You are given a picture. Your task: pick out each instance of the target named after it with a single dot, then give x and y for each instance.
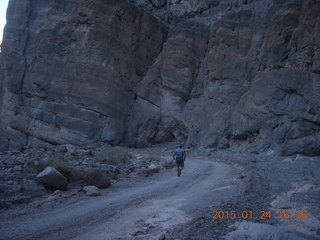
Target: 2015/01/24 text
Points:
(286, 214)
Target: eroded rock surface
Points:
(210, 73)
(69, 69)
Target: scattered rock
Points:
(208, 150)
(158, 3)
(113, 175)
(63, 148)
(17, 168)
(280, 203)
(153, 168)
(97, 177)
(146, 172)
(71, 148)
(142, 172)
(232, 228)
(162, 236)
(20, 160)
(57, 192)
(53, 178)
(52, 197)
(141, 231)
(91, 191)
(168, 163)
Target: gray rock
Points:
(53, 178)
(96, 177)
(57, 192)
(94, 107)
(91, 191)
(309, 146)
(17, 168)
(209, 73)
(168, 163)
(162, 236)
(153, 169)
(71, 148)
(63, 148)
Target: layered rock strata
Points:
(209, 73)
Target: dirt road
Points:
(134, 208)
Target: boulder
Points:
(91, 191)
(149, 171)
(96, 177)
(153, 169)
(143, 172)
(53, 178)
(162, 236)
(167, 163)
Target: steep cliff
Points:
(210, 73)
(69, 69)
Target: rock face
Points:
(53, 178)
(210, 73)
(69, 69)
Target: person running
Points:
(180, 156)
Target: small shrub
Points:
(112, 155)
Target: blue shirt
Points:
(179, 154)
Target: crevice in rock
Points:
(147, 101)
(290, 91)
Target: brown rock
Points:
(96, 177)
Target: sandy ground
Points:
(134, 208)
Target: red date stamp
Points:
(262, 214)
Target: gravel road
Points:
(133, 208)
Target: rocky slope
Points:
(210, 73)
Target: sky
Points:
(3, 10)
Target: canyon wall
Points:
(208, 73)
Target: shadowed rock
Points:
(53, 178)
(96, 177)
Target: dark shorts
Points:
(180, 163)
